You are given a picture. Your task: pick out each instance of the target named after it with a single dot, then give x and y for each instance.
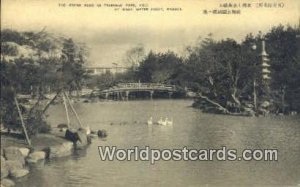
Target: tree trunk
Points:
(283, 99)
(215, 104)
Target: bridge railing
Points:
(139, 86)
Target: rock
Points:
(86, 130)
(25, 151)
(13, 165)
(83, 130)
(13, 153)
(62, 150)
(2, 159)
(63, 130)
(82, 136)
(62, 125)
(102, 133)
(82, 139)
(92, 136)
(7, 183)
(36, 156)
(17, 173)
(79, 145)
(4, 169)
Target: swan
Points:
(162, 122)
(150, 122)
(169, 122)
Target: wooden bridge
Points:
(122, 90)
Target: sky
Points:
(109, 33)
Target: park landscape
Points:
(256, 78)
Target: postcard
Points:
(150, 93)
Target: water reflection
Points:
(191, 128)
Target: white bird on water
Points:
(169, 122)
(150, 122)
(161, 122)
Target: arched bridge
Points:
(122, 90)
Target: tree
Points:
(47, 62)
(105, 80)
(135, 55)
(284, 51)
(159, 68)
(72, 72)
(220, 71)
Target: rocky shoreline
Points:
(246, 109)
(16, 159)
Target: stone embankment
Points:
(15, 160)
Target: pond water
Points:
(126, 125)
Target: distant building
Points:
(103, 70)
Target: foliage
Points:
(284, 49)
(72, 70)
(37, 124)
(105, 81)
(225, 70)
(36, 63)
(159, 68)
(135, 56)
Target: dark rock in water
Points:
(62, 125)
(13, 153)
(102, 133)
(71, 135)
(4, 169)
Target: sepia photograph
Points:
(150, 93)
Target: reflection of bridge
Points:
(123, 90)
